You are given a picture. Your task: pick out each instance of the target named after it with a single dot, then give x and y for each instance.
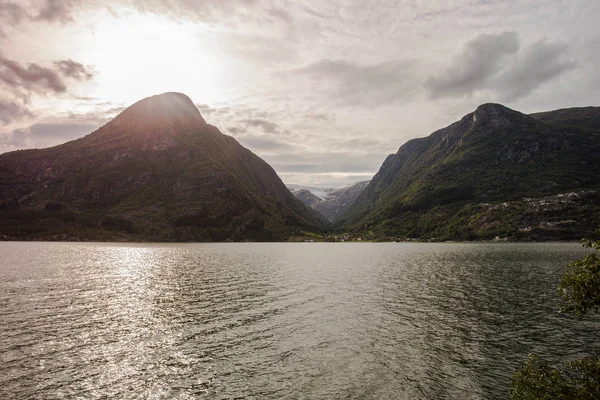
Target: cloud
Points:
(243, 120)
(265, 145)
(52, 130)
(207, 10)
(11, 111)
(73, 69)
(39, 79)
(235, 130)
(258, 134)
(537, 64)
(357, 84)
(56, 11)
(17, 139)
(44, 135)
(324, 162)
(22, 81)
(210, 11)
(33, 77)
(481, 58)
(267, 126)
(355, 75)
(498, 63)
(319, 117)
(304, 144)
(11, 13)
(324, 179)
(51, 133)
(205, 109)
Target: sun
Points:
(143, 55)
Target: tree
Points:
(579, 290)
(580, 284)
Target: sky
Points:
(321, 90)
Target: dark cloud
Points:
(11, 111)
(497, 63)
(236, 130)
(356, 84)
(33, 77)
(267, 126)
(481, 58)
(73, 69)
(23, 81)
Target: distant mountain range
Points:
(332, 203)
(496, 172)
(159, 172)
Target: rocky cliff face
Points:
(158, 171)
(490, 156)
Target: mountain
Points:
(334, 203)
(496, 172)
(308, 198)
(157, 171)
(338, 201)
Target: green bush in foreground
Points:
(580, 285)
(579, 290)
(536, 379)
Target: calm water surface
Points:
(306, 320)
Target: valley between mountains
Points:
(160, 172)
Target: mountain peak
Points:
(493, 112)
(160, 112)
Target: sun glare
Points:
(145, 55)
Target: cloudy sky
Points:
(322, 90)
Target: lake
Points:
(280, 320)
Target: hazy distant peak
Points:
(161, 111)
(333, 203)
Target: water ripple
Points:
(347, 321)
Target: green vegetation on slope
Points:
(159, 176)
(448, 184)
